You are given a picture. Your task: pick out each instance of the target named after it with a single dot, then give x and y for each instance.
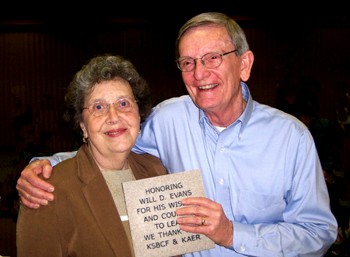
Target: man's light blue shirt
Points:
(263, 169)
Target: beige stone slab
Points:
(151, 205)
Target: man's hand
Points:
(204, 216)
(34, 191)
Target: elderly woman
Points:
(89, 218)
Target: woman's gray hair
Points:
(235, 32)
(106, 68)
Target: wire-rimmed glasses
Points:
(209, 60)
(101, 108)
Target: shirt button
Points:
(221, 181)
(222, 149)
(242, 248)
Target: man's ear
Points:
(247, 60)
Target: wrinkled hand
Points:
(204, 216)
(34, 191)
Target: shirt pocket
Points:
(253, 207)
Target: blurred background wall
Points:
(41, 47)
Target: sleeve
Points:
(37, 232)
(146, 142)
(307, 227)
(57, 157)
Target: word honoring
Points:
(163, 188)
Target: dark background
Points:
(42, 45)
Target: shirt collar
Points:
(245, 116)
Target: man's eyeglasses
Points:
(101, 108)
(209, 60)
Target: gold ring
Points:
(203, 222)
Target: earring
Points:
(85, 139)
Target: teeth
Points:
(208, 86)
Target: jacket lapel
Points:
(101, 204)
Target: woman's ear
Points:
(247, 60)
(82, 126)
